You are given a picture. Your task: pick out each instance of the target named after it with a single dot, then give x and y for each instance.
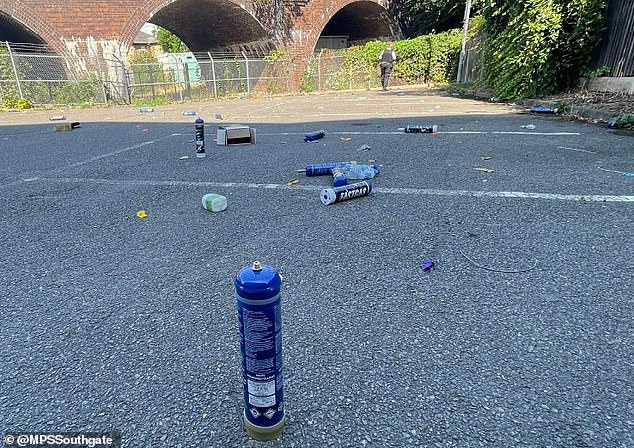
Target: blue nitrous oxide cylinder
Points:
(200, 137)
(312, 136)
(260, 314)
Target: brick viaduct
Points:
(108, 27)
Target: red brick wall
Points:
(56, 21)
(308, 27)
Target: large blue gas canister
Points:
(260, 315)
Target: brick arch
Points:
(329, 8)
(150, 8)
(311, 23)
(33, 23)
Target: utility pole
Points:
(465, 34)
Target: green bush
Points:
(17, 103)
(625, 120)
(81, 92)
(432, 58)
(537, 47)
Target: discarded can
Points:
(339, 194)
(220, 117)
(146, 109)
(312, 136)
(338, 178)
(57, 118)
(190, 113)
(323, 169)
(260, 315)
(200, 137)
(420, 129)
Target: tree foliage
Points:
(539, 46)
(170, 42)
(429, 16)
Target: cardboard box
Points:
(235, 134)
(67, 126)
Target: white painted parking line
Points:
(556, 134)
(396, 191)
(577, 150)
(11, 184)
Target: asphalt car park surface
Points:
(521, 335)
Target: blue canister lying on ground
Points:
(543, 110)
(338, 194)
(323, 169)
(312, 136)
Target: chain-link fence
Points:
(329, 70)
(206, 76)
(34, 74)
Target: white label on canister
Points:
(262, 402)
(261, 388)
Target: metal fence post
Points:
(126, 83)
(213, 75)
(15, 71)
(188, 84)
(247, 70)
(319, 69)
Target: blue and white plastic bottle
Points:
(323, 169)
(360, 171)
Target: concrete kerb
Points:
(583, 113)
(576, 112)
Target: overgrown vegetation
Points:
(625, 120)
(8, 89)
(428, 59)
(431, 16)
(17, 103)
(535, 47)
(87, 91)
